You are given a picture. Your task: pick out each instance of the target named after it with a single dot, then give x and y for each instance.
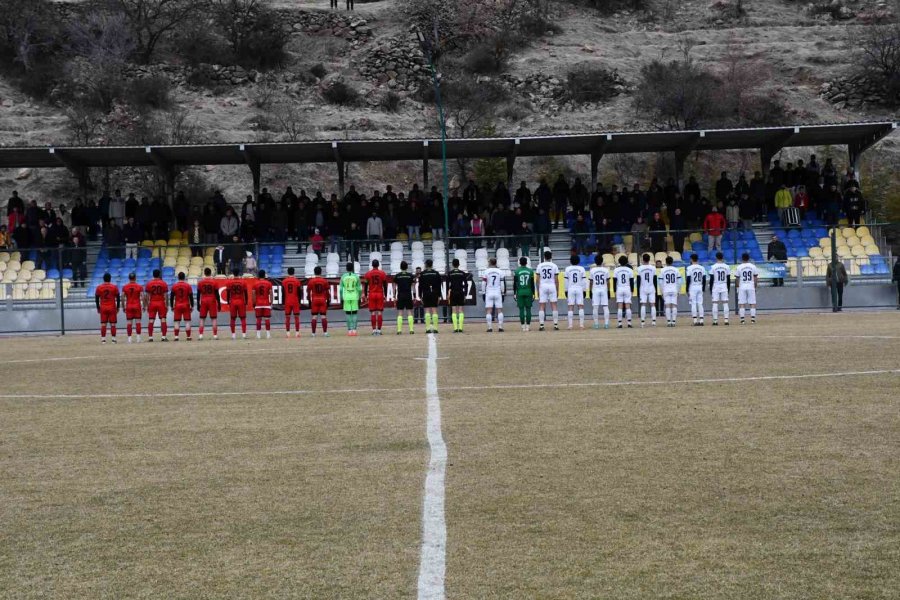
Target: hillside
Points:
(778, 49)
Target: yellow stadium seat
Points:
(426, 236)
(825, 242)
(858, 250)
(184, 251)
(862, 231)
(676, 256)
(35, 285)
(15, 256)
(4, 293)
(38, 275)
(4, 257)
(842, 243)
(872, 249)
(867, 240)
(161, 243)
(181, 270)
(852, 241)
(209, 251)
(174, 235)
(196, 261)
(843, 252)
(696, 237)
(28, 265)
(157, 253)
(607, 257)
(147, 243)
(48, 293)
(628, 242)
(8, 277)
(848, 232)
(194, 271)
(208, 261)
(3, 267)
(23, 276)
(854, 268)
(843, 221)
(633, 258)
(660, 256)
(18, 292)
(13, 265)
(169, 262)
(32, 293)
(183, 261)
(170, 251)
(815, 252)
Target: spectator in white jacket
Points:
(733, 214)
(375, 230)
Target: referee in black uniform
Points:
(430, 293)
(456, 283)
(403, 281)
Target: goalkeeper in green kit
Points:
(523, 284)
(349, 290)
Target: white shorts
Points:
(747, 296)
(547, 293)
(600, 298)
(493, 300)
(623, 296)
(648, 296)
(670, 297)
(720, 296)
(575, 296)
(696, 296)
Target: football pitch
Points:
(742, 462)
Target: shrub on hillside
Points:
(150, 92)
(341, 94)
(390, 102)
(255, 33)
(318, 70)
(592, 83)
(676, 95)
(484, 59)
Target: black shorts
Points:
(457, 298)
(404, 303)
(430, 300)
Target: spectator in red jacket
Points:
(714, 225)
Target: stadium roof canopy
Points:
(768, 140)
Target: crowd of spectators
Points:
(526, 215)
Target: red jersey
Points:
(317, 288)
(132, 293)
(291, 287)
(237, 291)
(376, 280)
(157, 289)
(208, 290)
(262, 292)
(107, 296)
(182, 294)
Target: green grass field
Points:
(740, 462)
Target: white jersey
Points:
(719, 273)
(547, 272)
(623, 277)
(746, 273)
(575, 277)
(599, 281)
(646, 273)
(493, 280)
(695, 275)
(669, 277)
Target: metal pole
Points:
(834, 294)
(62, 305)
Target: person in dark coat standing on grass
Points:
(840, 278)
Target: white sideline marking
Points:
(454, 388)
(838, 337)
(432, 563)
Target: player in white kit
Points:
(600, 292)
(494, 281)
(623, 283)
(669, 277)
(748, 281)
(576, 280)
(646, 286)
(547, 272)
(720, 284)
(696, 276)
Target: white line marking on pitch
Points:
(450, 389)
(839, 337)
(432, 563)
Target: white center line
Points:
(432, 563)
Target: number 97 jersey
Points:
(547, 274)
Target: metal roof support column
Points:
(681, 155)
(425, 167)
(167, 172)
(768, 151)
(255, 169)
(856, 149)
(76, 168)
(596, 155)
(511, 163)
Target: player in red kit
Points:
(208, 302)
(108, 303)
(375, 287)
(262, 302)
(317, 288)
(157, 294)
(134, 299)
(290, 287)
(236, 294)
(182, 297)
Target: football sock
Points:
(410, 320)
(653, 312)
(752, 316)
(569, 317)
(150, 329)
(427, 321)
(324, 324)
(374, 320)
(399, 324)
(112, 329)
(741, 312)
(380, 320)
(103, 330)
(488, 317)
(581, 317)
(215, 328)
(674, 313)
(243, 325)
(165, 327)
(619, 315)
(725, 310)
(268, 327)
(137, 328)
(715, 311)
(201, 326)
(313, 323)
(177, 330)
(258, 324)
(596, 315)
(555, 316)
(541, 316)
(606, 315)
(628, 315)
(499, 320)
(643, 312)
(461, 318)
(187, 331)
(528, 315)
(128, 328)
(233, 321)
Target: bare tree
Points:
(881, 50)
(151, 21)
(291, 121)
(27, 29)
(83, 125)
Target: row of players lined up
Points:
(155, 298)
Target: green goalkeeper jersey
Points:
(350, 286)
(523, 281)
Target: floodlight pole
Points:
(426, 46)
